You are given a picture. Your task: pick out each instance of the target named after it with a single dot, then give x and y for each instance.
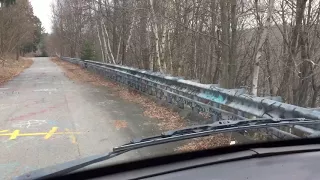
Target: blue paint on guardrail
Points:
(216, 98)
(205, 98)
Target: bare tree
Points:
(264, 33)
(20, 30)
(269, 47)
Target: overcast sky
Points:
(42, 10)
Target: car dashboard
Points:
(231, 163)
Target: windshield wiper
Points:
(170, 136)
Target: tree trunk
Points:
(132, 25)
(115, 38)
(108, 43)
(305, 71)
(155, 32)
(268, 60)
(233, 48)
(118, 51)
(143, 15)
(163, 47)
(106, 52)
(285, 89)
(225, 47)
(262, 40)
(101, 44)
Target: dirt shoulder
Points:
(167, 118)
(11, 68)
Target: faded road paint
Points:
(16, 133)
(28, 115)
(32, 124)
(51, 132)
(72, 136)
(85, 126)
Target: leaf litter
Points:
(119, 124)
(11, 68)
(168, 119)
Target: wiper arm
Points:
(223, 126)
(170, 136)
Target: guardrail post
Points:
(180, 103)
(216, 116)
(157, 91)
(168, 95)
(150, 87)
(240, 113)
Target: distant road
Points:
(46, 118)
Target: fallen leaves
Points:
(167, 119)
(78, 74)
(12, 68)
(205, 143)
(119, 124)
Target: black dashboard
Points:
(276, 160)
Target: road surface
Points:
(46, 118)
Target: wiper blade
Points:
(67, 167)
(223, 126)
(170, 136)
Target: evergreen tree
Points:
(87, 52)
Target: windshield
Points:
(79, 77)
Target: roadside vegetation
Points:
(21, 34)
(11, 68)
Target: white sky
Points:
(42, 9)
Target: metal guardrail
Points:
(206, 98)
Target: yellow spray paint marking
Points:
(51, 132)
(72, 137)
(14, 134)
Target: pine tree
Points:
(87, 52)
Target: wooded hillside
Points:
(270, 47)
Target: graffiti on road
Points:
(43, 111)
(46, 135)
(32, 123)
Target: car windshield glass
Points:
(79, 78)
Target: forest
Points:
(20, 30)
(269, 47)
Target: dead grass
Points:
(168, 120)
(11, 68)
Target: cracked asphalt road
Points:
(46, 118)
